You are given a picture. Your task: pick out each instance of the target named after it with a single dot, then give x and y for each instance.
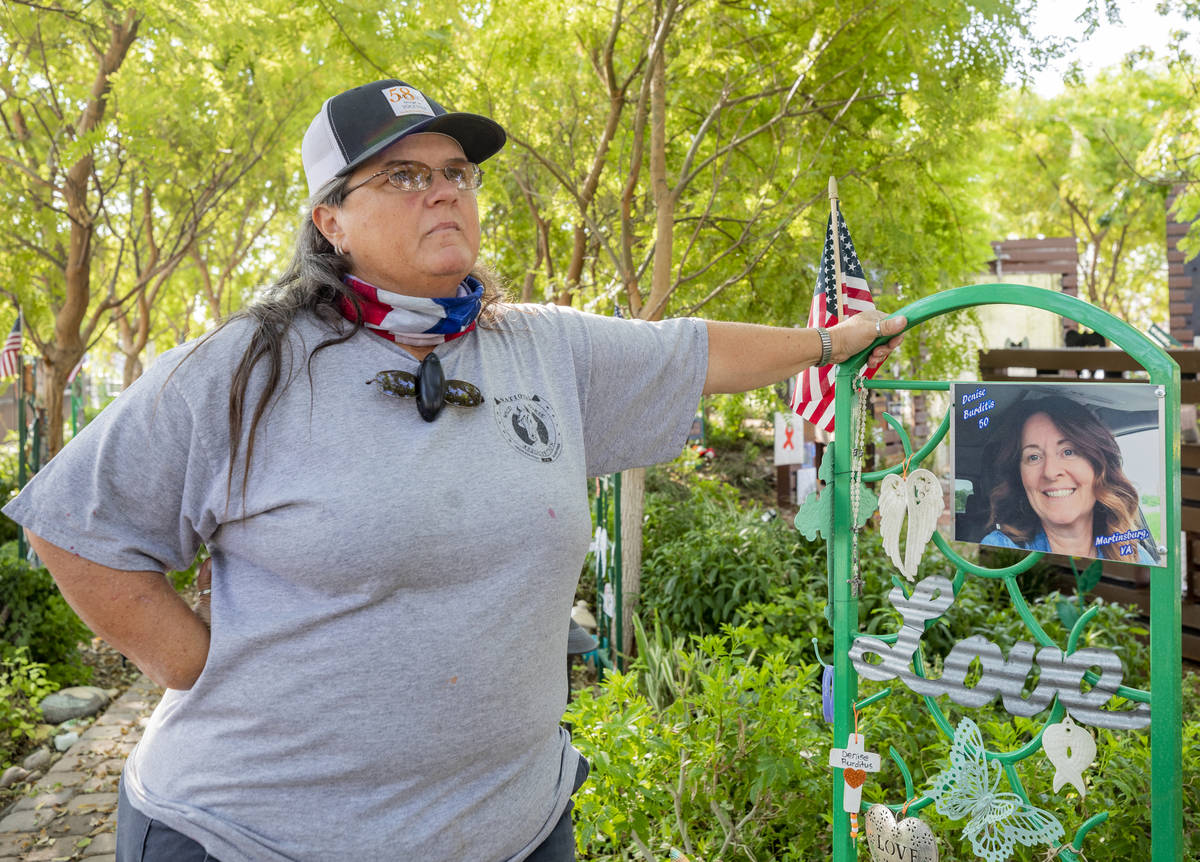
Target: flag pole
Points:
(837, 246)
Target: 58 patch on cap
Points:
(353, 126)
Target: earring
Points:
(337, 249)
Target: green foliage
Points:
(1073, 166)
(23, 684)
(707, 556)
(40, 621)
(726, 414)
(685, 748)
(183, 579)
(759, 105)
(714, 743)
(735, 760)
(8, 486)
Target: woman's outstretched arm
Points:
(744, 356)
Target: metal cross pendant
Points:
(856, 584)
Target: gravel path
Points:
(71, 812)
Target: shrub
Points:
(40, 620)
(8, 485)
(724, 418)
(183, 579)
(23, 684)
(719, 750)
(707, 556)
(735, 760)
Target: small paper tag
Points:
(854, 760)
(406, 100)
(608, 601)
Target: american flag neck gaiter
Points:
(419, 321)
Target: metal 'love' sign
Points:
(1062, 674)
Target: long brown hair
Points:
(311, 284)
(1116, 509)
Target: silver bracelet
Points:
(826, 346)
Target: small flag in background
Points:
(75, 371)
(10, 356)
(813, 396)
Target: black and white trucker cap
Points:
(355, 125)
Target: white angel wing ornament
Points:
(925, 506)
(893, 506)
(919, 497)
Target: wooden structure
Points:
(1183, 282)
(1056, 255)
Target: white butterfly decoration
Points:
(998, 820)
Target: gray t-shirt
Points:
(387, 669)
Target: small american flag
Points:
(10, 356)
(813, 397)
(75, 371)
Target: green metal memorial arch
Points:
(1164, 693)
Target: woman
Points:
(1060, 487)
(335, 711)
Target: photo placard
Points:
(1066, 468)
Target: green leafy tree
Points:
(141, 139)
(120, 146)
(674, 156)
(1171, 158)
(1096, 163)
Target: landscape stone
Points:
(75, 702)
(39, 759)
(62, 779)
(12, 845)
(105, 842)
(72, 761)
(12, 775)
(52, 798)
(104, 731)
(78, 825)
(76, 801)
(87, 803)
(27, 821)
(65, 740)
(59, 848)
(100, 784)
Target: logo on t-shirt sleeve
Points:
(529, 425)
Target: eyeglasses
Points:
(430, 387)
(418, 176)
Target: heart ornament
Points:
(910, 840)
(854, 777)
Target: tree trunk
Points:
(633, 482)
(67, 347)
(132, 341)
(52, 382)
(633, 507)
(132, 370)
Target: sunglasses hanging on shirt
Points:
(430, 387)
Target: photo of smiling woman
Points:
(1060, 486)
